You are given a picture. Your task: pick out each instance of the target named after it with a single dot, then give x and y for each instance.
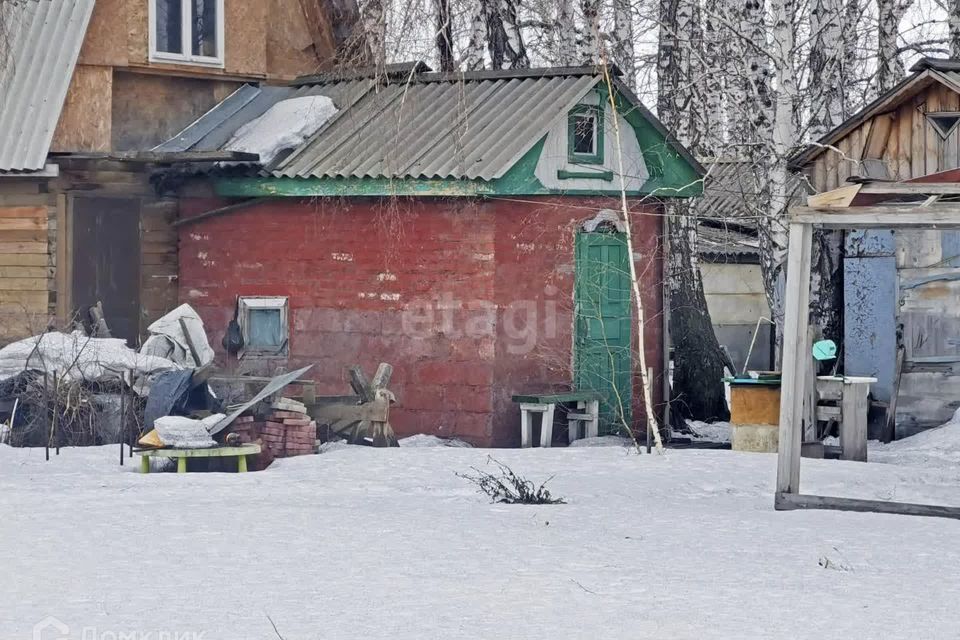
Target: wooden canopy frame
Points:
(833, 210)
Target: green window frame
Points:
(576, 114)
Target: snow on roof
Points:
(285, 125)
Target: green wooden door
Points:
(602, 358)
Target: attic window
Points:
(944, 122)
(187, 31)
(585, 135)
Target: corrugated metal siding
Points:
(43, 41)
(461, 130)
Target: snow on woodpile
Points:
(285, 125)
(938, 447)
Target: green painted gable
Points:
(671, 175)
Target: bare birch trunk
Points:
(444, 35)
(890, 69)
(773, 238)
(953, 23)
(826, 66)
(697, 390)
(623, 37)
(504, 40)
(588, 40)
(566, 35)
(374, 18)
(473, 58)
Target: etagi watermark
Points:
(51, 628)
(521, 323)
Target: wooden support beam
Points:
(791, 501)
(907, 188)
(942, 215)
(796, 320)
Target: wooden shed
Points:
(901, 286)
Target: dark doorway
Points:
(106, 262)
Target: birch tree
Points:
(890, 69)
(698, 391)
(373, 16)
(623, 40)
(589, 36)
(953, 25)
(566, 34)
(444, 35)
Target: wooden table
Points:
(240, 453)
(588, 403)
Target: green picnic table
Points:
(240, 453)
(587, 415)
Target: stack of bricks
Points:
(247, 428)
(288, 430)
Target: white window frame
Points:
(186, 31)
(246, 303)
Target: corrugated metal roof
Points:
(731, 193)
(438, 129)
(43, 39)
(468, 126)
(213, 130)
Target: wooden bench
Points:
(240, 453)
(588, 416)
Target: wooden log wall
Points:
(903, 139)
(27, 263)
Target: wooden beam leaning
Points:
(792, 501)
(796, 320)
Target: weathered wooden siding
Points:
(27, 228)
(36, 244)
(908, 145)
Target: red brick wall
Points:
(429, 285)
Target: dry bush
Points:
(507, 487)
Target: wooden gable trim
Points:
(884, 104)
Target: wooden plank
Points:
(789, 502)
(360, 384)
(24, 284)
(918, 139)
(32, 223)
(853, 428)
(28, 300)
(932, 145)
(908, 188)
(796, 321)
(840, 197)
(24, 259)
(23, 247)
(26, 271)
(940, 214)
(878, 137)
(905, 144)
(24, 236)
(22, 213)
(61, 278)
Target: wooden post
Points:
(796, 320)
(853, 422)
(546, 426)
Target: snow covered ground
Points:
(367, 543)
